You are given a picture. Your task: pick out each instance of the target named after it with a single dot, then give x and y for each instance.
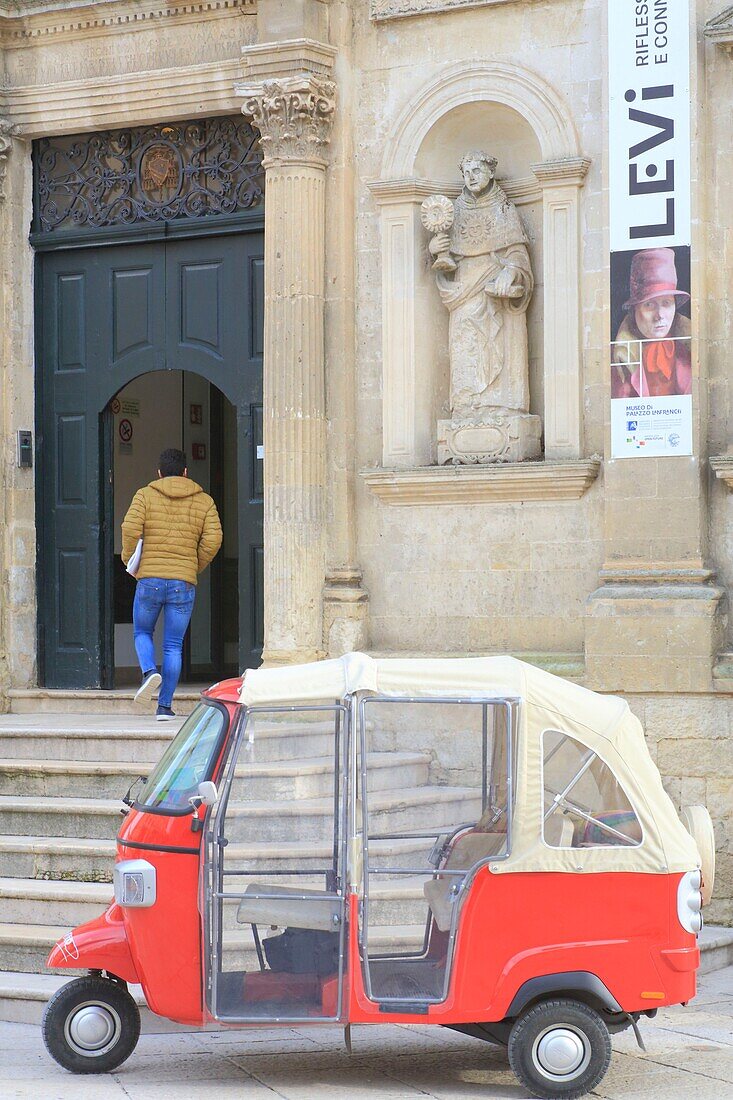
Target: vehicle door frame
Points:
(212, 877)
(511, 706)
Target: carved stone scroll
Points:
(7, 132)
(294, 116)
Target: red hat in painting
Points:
(653, 275)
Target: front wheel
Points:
(91, 1025)
(559, 1048)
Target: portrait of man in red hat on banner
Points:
(650, 356)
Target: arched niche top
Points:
(493, 127)
(481, 82)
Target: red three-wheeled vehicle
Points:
(472, 843)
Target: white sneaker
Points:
(150, 684)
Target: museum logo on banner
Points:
(650, 227)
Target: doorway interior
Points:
(179, 409)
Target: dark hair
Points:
(171, 463)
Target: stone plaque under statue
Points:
(485, 280)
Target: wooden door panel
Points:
(70, 322)
(199, 315)
(133, 305)
(67, 439)
(105, 316)
(215, 299)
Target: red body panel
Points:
(621, 927)
(101, 944)
(165, 939)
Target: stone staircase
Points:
(66, 758)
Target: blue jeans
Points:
(175, 599)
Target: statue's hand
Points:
(504, 284)
(439, 243)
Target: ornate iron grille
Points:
(148, 174)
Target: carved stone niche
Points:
(520, 119)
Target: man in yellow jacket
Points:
(179, 525)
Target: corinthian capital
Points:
(7, 132)
(294, 116)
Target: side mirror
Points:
(208, 793)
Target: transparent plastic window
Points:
(584, 804)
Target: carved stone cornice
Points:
(719, 29)
(294, 116)
(722, 467)
(566, 171)
(510, 481)
(32, 22)
(7, 132)
(77, 106)
(413, 189)
(402, 9)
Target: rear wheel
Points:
(91, 1025)
(559, 1048)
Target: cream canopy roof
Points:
(604, 723)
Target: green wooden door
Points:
(105, 316)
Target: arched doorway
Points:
(182, 410)
(191, 307)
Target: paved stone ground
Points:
(689, 1054)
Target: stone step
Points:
(111, 737)
(99, 818)
(305, 778)
(25, 947)
(23, 998)
(93, 700)
(35, 901)
(389, 811)
(122, 738)
(68, 904)
(72, 859)
(716, 948)
(57, 858)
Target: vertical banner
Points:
(650, 227)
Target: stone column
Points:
(561, 181)
(294, 115)
(17, 493)
(410, 411)
(345, 600)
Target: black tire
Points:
(91, 1025)
(559, 1048)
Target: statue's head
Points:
(477, 169)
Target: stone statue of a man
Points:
(485, 280)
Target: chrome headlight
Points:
(134, 883)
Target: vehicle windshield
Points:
(187, 761)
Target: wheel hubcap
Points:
(92, 1029)
(561, 1053)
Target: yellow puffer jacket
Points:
(179, 525)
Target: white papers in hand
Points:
(134, 563)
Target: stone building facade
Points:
(612, 572)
